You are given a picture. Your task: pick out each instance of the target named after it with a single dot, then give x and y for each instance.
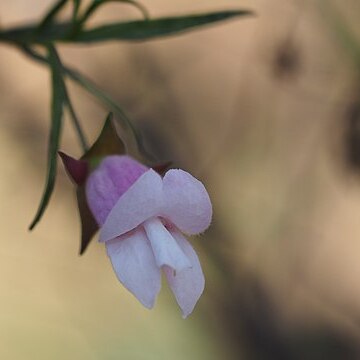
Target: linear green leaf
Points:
(58, 99)
(149, 29)
(129, 31)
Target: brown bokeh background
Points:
(266, 112)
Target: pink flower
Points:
(142, 218)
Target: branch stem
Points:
(92, 88)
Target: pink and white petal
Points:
(187, 285)
(143, 200)
(134, 264)
(166, 250)
(109, 181)
(187, 203)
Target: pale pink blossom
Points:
(142, 218)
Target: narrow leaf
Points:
(58, 99)
(149, 29)
(129, 31)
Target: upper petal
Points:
(188, 284)
(134, 264)
(140, 202)
(106, 184)
(187, 203)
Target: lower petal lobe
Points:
(134, 264)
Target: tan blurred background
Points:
(266, 112)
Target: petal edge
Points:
(134, 265)
(189, 284)
(143, 200)
(187, 203)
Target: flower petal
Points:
(188, 284)
(134, 264)
(109, 181)
(165, 248)
(140, 202)
(187, 203)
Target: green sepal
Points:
(107, 143)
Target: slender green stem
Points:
(89, 86)
(48, 19)
(95, 4)
(76, 7)
(75, 120)
(76, 123)
(111, 103)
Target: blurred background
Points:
(266, 112)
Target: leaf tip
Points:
(32, 225)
